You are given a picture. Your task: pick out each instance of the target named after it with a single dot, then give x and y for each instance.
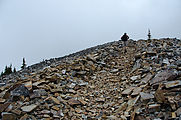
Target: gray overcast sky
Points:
(42, 29)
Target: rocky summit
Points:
(139, 81)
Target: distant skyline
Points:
(44, 29)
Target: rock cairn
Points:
(141, 81)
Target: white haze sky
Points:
(44, 29)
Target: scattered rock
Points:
(102, 82)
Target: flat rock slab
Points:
(73, 102)
(128, 91)
(136, 91)
(165, 75)
(172, 84)
(28, 108)
(147, 78)
(146, 96)
(134, 78)
(154, 106)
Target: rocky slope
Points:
(137, 82)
